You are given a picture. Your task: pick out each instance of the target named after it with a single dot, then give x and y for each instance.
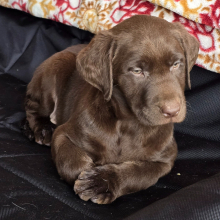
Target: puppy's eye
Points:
(176, 65)
(137, 71)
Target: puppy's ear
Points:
(191, 48)
(94, 63)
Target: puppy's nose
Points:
(170, 110)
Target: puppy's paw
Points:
(26, 130)
(97, 184)
(43, 134)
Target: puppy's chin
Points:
(158, 119)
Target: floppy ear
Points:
(191, 48)
(94, 63)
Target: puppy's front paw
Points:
(97, 184)
(26, 130)
(43, 134)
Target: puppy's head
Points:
(149, 59)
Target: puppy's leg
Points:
(69, 159)
(49, 82)
(103, 184)
(38, 123)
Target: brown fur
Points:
(114, 131)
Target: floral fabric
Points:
(201, 18)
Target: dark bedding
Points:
(30, 187)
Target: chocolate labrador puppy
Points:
(114, 103)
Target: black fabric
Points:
(196, 202)
(30, 187)
(26, 41)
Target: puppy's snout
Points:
(170, 109)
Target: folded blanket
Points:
(202, 11)
(200, 17)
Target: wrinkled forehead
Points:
(161, 48)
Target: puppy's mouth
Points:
(176, 119)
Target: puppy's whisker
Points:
(188, 104)
(189, 109)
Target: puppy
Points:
(114, 103)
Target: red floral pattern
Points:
(130, 8)
(213, 17)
